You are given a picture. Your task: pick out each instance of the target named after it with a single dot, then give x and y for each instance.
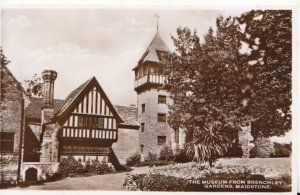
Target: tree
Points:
(269, 36)
(4, 60)
(34, 86)
(218, 82)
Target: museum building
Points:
(40, 132)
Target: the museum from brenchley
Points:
(36, 133)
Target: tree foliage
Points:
(4, 60)
(241, 72)
(269, 35)
(34, 86)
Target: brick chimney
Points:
(49, 77)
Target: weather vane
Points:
(157, 17)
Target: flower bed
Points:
(176, 177)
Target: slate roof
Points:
(127, 113)
(34, 108)
(73, 95)
(154, 50)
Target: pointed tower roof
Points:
(152, 53)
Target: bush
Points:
(98, 168)
(166, 154)
(133, 160)
(180, 156)
(281, 150)
(235, 151)
(159, 183)
(70, 167)
(150, 157)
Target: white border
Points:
(185, 4)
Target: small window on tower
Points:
(161, 140)
(143, 107)
(142, 148)
(162, 99)
(142, 127)
(161, 118)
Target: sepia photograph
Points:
(143, 99)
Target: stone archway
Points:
(31, 174)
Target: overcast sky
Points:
(79, 44)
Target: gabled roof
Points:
(7, 71)
(75, 95)
(33, 110)
(154, 50)
(71, 97)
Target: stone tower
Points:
(152, 99)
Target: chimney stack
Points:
(49, 77)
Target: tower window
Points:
(162, 99)
(143, 107)
(142, 127)
(6, 142)
(161, 140)
(141, 148)
(161, 118)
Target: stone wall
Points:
(264, 147)
(44, 170)
(153, 129)
(127, 144)
(245, 139)
(11, 116)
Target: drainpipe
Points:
(21, 141)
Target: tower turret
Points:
(152, 100)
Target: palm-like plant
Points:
(208, 144)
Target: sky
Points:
(81, 43)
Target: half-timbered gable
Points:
(88, 121)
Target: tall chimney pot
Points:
(49, 77)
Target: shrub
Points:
(70, 167)
(180, 156)
(99, 168)
(157, 163)
(166, 154)
(235, 151)
(209, 143)
(160, 183)
(150, 157)
(281, 150)
(133, 160)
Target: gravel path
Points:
(97, 182)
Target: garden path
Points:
(97, 182)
